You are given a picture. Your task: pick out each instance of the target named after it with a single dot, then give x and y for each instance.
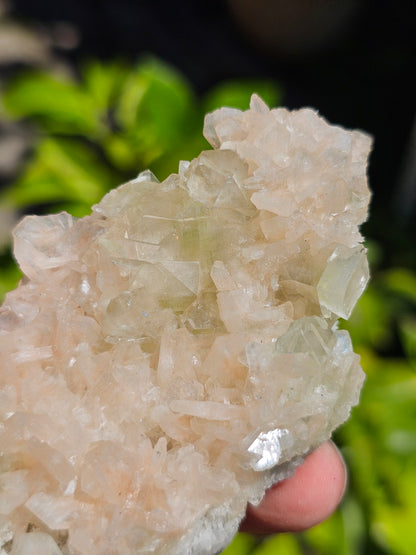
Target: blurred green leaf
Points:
(103, 82)
(62, 170)
(59, 104)
(370, 322)
(156, 109)
(120, 152)
(393, 525)
(10, 275)
(374, 254)
(329, 536)
(242, 544)
(407, 330)
(237, 94)
(379, 440)
(341, 534)
(277, 544)
(354, 521)
(402, 282)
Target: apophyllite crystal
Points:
(173, 354)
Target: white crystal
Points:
(172, 355)
(267, 447)
(34, 543)
(343, 280)
(56, 512)
(6, 531)
(14, 490)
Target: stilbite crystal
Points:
(173, 354)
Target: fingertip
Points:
(303, 500)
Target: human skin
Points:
(303, 500)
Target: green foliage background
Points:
(94, 131)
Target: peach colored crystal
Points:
(173, 354)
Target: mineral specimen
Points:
(173, 354)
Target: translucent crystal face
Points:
(172, 355)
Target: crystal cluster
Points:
(170, 356)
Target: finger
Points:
(303, 500)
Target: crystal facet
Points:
(172, 355)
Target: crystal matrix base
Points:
(173, 354)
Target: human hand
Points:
(303, 500)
